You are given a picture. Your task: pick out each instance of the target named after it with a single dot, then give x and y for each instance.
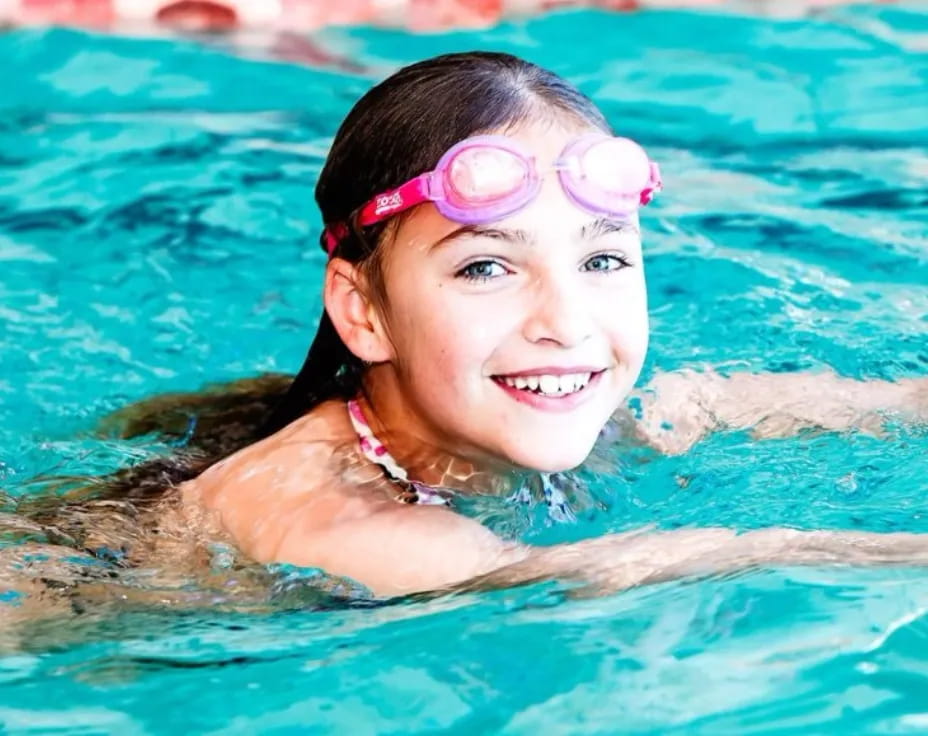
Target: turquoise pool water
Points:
(157, 233)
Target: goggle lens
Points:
(616, 166)
(483, 175)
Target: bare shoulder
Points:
(307, 497)
(310, 470)
(295, 449)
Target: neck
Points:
(426, 456)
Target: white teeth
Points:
(550, 385)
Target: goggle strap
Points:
(413, 192)
(655, 184)
(332, 235)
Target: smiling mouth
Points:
(550, 385)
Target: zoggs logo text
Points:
(388, 202)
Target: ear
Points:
(353, 313)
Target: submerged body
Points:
(308, 495)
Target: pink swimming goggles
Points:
(489, 177)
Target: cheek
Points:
(441, 341)
(627, 327)
(632, 331)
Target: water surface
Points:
(157, 232)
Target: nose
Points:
(561, 313)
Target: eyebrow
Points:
(605, 226)
(595, 229)
(519, 237)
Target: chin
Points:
(553, 459)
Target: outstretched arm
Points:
(680, 408)
(616, 562)
(406, 550)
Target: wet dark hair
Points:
(397, 130)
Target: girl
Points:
(485, 317)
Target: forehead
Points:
(547, 137)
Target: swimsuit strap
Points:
(375, 451)
(419, 493)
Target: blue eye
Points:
(481, 271)
(606, 262)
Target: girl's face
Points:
(514, 341)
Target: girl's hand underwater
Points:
(680, 408)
